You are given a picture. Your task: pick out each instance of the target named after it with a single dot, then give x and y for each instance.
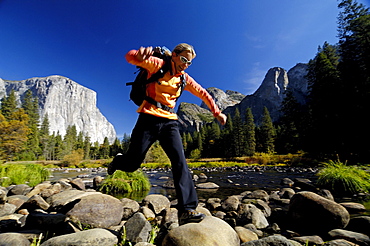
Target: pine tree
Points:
(59, 147)
(8, 105)
(354, 46)
(210, 136)
(70, 139)
(105, 149)
(125, 142)
(238, 137)
(325, 101)
(116, 147)
(45, 138)
(227, 138)
(267, 133)
(31, 107)
(289, 133)
(250, 135)
(87, 147)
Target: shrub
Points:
(31, 174)
(74, 158)
(195, 154)
(122, 182)
(343, 179)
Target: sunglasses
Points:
(184, 60)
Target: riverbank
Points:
(70, 210)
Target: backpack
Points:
(138, 89)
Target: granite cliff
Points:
(270, 94)
(66, 103)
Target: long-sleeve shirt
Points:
(168, 88)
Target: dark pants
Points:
(147, 130)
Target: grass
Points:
(31, 174)
(343, 179)
(122, 182)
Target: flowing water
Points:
(231, 181)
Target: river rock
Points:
(231, 203)
(144, 244)
(286, 193)
(129, 207)
(98, 210)
(287, 182)
(355, 237)
(3, 196)
(262, 205)
(353, 207)
(305, 184)
(96, 236)
(6, 209)
(97, 181)
(156, 202)
(20, 189)
(43, 220)
(39, 188)
(207, 185)
(148, 213)
(249, 213)
(326, 194)
(245, 235)
(258, 194)
(213, 203)
(65, 185)
(13, 239)
(78, 184)
(58, 201)
(35, 202)
(17, 200)
(52, 190)
(275, 240)
(209, 232)
(360, 224)
(309, 240)
(138, 228)
(340, 242)
(312, 213)
(12, 222)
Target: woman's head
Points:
(182, 56)
(184, 47)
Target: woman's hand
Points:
(144, 53)
(222, 118)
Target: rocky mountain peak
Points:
(270, 94)
(273, 85)
(224, 99)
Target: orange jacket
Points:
(168, 89)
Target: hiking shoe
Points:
(190, 216)
(112, 167)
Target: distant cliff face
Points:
(66, 103)
(270, 94)
(192, 117)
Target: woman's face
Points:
(182, 61)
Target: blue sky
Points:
(86, 40)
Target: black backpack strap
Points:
(158, 104)
(182, 85)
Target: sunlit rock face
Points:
(66, 103)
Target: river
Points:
(231, 181)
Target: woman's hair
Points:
(184, 47)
